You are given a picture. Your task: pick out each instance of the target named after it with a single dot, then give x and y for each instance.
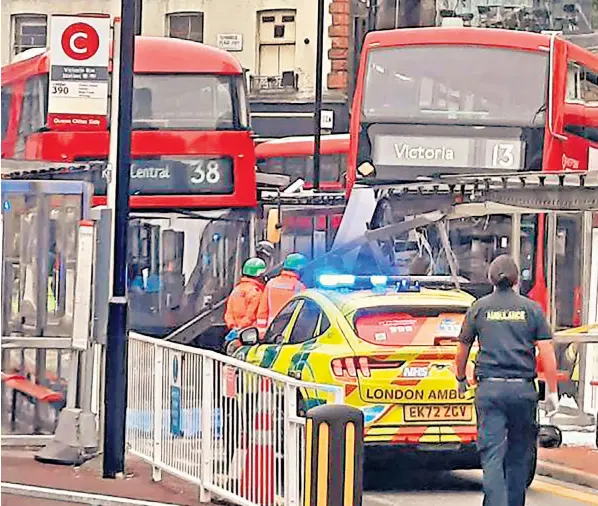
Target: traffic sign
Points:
(79, 56)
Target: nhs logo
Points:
(415, 372)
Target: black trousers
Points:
(507, 435)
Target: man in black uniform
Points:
(508, 327)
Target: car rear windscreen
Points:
(408, 326)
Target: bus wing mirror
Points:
(273, 232)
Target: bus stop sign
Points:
(79, 55)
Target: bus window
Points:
(527, 258)
(33, 113)
(6, 102)
(568, 272)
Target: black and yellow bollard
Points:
(334, 456)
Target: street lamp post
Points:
(115, 403)
(318, 98)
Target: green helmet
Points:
(295, 262)
(254, 267)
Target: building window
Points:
(30, 31)
(186, 25)
(277, 44)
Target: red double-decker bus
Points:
(293, 156)
(193, 184)
(512, 101)
(508, 102)
(191, 133)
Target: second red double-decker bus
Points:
(193, 186)
(293, 156)
(508, 102)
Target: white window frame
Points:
(187, 14)
(31, 19)
(574, 71)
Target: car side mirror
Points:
(249, 336)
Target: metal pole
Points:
(318, 101)
(115, 405)
(114, 112)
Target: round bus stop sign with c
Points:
(78, 88)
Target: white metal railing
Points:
(228, 426)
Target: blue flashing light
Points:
(216, 237)
(6, 205)
(406, 285)
(336, 280)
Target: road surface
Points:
(459, 488)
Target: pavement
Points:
(567, 476)
(19, 467)
(576, 461)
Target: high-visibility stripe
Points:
(349, 493)
(322, 478)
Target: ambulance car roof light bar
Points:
(378, 282)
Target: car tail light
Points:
(337, 367)
(349, 366)
(364, 366)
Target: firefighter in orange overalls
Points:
(243, 302)
(281, 289)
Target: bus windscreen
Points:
(482, 85)
(183, 101)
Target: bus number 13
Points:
(503, 155)
(206, 172)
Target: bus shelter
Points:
(547, 222)
(47, 266)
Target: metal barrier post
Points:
(291, 445)
(158, 410)
(207, 413)
(334, 456)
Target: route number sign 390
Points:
(60, 89)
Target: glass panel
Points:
(589, 87)
(275, 331)
(179, 26)
(568, 293)
(401, 326)
(186, 26)
(180, 266)
(572, 90)
(243, 113)
(295, 167)
(527, 260)
(483, 85)
(305, 325)
(29, 32)
(182, 101)
(36, 227)
(6, 103)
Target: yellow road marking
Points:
(569, 493)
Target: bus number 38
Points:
(206, 172)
